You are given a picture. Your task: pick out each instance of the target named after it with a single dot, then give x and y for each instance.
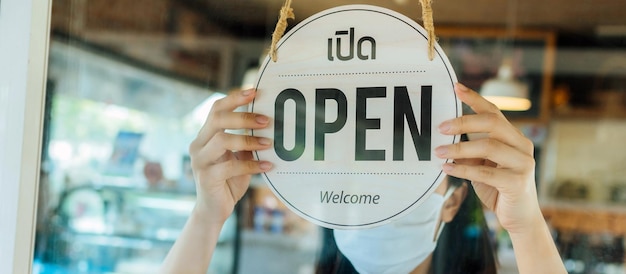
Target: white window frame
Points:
(24, 32)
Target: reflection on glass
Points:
(116, 185)
(131, 83)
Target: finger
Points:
(491, 149)
(487, 194)
(494, 125)
(223, 142)
(471, 162)
(226, 104)
(235, 168)
(475, 162)
(240, 120)
(244, 155)
(239, 184)
(231, 120)
(489, 119)
(500, 178)
(234, 100)
(476, 102)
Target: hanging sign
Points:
(355, 105)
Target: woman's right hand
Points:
(222, 163)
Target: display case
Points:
(99, 229)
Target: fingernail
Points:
(265, 141)
(265, 165)
(448, 167)
(441, 151)
(262, 119)
(247, 92)
(445, 127)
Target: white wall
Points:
(23, 46)
(589, 152)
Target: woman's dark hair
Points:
(462, 247)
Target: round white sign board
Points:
(355, 105)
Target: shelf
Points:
(590, 113)
(130, 242)
(586, 217)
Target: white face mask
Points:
(398, 247)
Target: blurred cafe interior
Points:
(131, 82)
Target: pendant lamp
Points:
(506, 92)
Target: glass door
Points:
(129, 85)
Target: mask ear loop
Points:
(446, 196)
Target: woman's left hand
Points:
(501, 166)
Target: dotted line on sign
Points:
(346, 173)
(350, 73)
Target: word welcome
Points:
(341, 198)
(402, 111)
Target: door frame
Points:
(25, 30)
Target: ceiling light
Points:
(506, 92)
